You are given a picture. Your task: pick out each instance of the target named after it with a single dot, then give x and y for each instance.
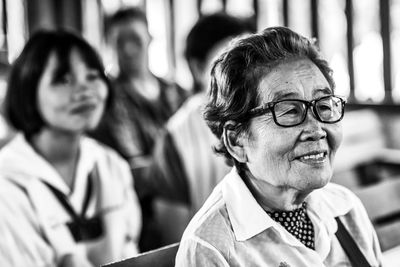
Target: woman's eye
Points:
(291, 111)
(288, 112)
(63, 80)
(93, 75)
(326, 107)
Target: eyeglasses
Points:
(292, 112)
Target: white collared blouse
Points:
(231, 229)
(33, 226)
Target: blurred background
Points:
(360, 39)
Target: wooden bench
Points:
(162, 257)
(364, 157)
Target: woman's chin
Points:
(314, 182)
(318, 183)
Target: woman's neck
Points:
(142, 73)
(273, 198)
(60, 149)
(146, 85)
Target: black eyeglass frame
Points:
(270, 107)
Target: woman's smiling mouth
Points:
(85, 108)
(314, 157)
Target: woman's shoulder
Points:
(332, 190)
(189, 111)
(211, 222)
(108, 161)
(208, 233)
(102, 151)
(14, 197)
(20, 164)
(335, 199)
(14, 147)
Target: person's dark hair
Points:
(236, 74)
(123, 15)
(20, 104)
(209, 30)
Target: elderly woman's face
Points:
(298, 157)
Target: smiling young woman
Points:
(66, 199)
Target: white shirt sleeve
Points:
(21, 242)
(197, 252)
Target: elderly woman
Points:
(273, 108)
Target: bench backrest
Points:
(382, 202)
(162, 257)
(363, 136)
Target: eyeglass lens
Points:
(292, 112)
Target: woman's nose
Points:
(82, 90)
(312, 128)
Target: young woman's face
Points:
(75, 101)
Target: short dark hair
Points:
(235, 76)
(20, 104)
(209, 30)
(123, 15)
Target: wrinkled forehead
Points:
(295, 78)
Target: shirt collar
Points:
(329, 202)
(19, 157)
(246, 215)
(249, 219)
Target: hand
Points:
(73, 260)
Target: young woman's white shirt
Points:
(33, 222)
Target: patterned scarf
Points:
(297, 223)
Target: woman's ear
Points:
(234, 142)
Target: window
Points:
(354, 36)
(395, 52)
(332, 41)
(368, 52)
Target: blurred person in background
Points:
(6, 132)
(273, 108)
(142, 105)
(184, 158)
(65, 199)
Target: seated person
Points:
(142, 105)
(65, 199)
(273, 108)
(184, 158)
(142, 102)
